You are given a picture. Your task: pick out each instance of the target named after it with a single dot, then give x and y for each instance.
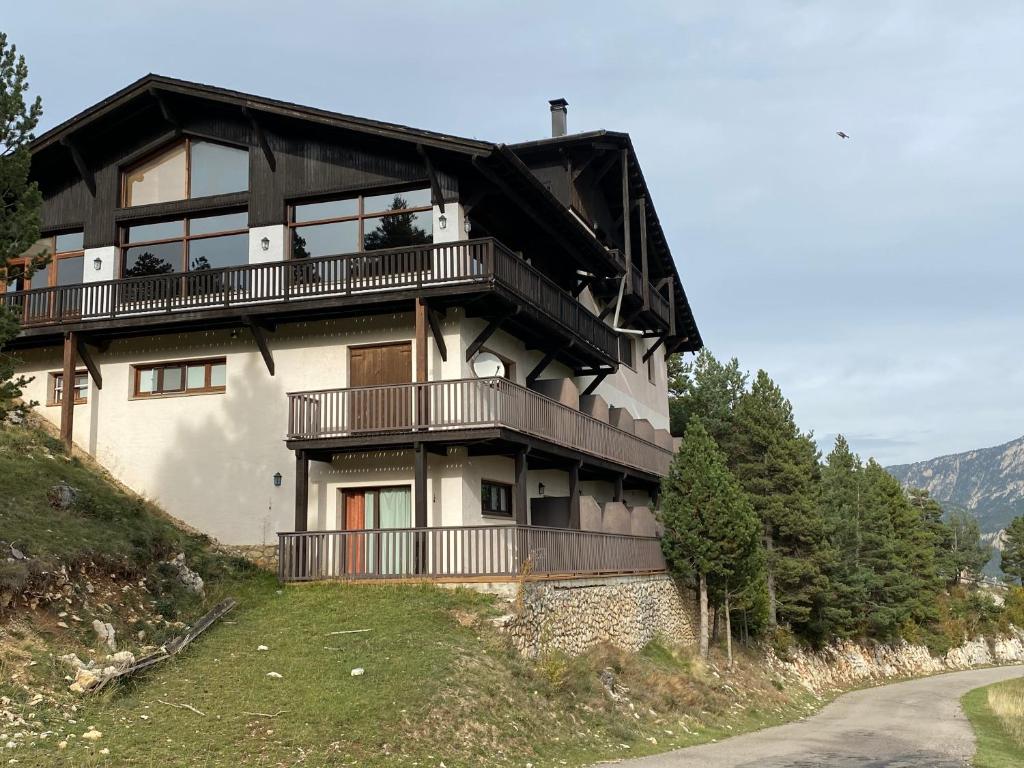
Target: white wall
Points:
(275, 235)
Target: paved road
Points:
(916, 724)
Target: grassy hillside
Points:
(440, 683)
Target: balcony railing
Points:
(659, 304)
(483, 261)
(469, 552)
(460, 404)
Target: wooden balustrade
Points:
(465, 404)
(468, 552)
(419, 267)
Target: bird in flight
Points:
(842, 135)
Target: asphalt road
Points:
(916, 724)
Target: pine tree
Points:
(20, 201)
(777, 466)
(706, 388)
(396, 230)
(965, 552)
(711, 532)
(1011, 559)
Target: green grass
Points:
(998, 730)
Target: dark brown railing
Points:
(444, 264)
(659, 304)
(465, 404)
(469, 552)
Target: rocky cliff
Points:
(988, 483)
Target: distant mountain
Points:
(988, 483)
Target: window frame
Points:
(375, 491)
(124, 245)
(631, 345)
(652, 377)
(54, 259)
(207, 388)
(51, 387)
(507, 487)
(359, 216)
(125, 169)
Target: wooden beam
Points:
(593, 385)
(672, 309)
(627, 247)
(67, 402)
(574, 495)
(538, 369)
(165, 110)
(83, 169)
(436, 196)
(261, 139)
(421, 340)
(487, 332)
(90, 363)
(654, 346)
(260, 335)
(646, 287)
(617, 489)
(301, 490)
(420, 485)
(520, 500)
(435, 329)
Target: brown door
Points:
(355, 520)
(375, 406)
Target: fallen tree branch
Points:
(264, 714)
(347, 631)
(182, 706)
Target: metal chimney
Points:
(559, 114)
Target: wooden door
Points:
(354, 510)
(381, 407)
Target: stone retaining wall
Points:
(572, 615)
(261, 555)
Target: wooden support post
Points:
(594, 383)
(574, 496)
(520, 502)
(301, 490)
(67, 402)
(420, 486)
(617, 492)
(421, 340)
(645, 289)
(627, 248)
(435, 330)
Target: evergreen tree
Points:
(705, 388)
(711, 532)
(965, 552)
(1011, 559)
(777, 466)
(20, 201)
(396, 230)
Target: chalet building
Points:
(393, 351)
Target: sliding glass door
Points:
(376, 513)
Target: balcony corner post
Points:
(67, 402)
(520, 502)
(574, 495)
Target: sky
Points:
(877, 279)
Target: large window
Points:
(185, 245)
(364, 223)
(183, 377)
(65, 264)
(190, 168)
(55, 388)
(495, 498)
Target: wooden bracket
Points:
(654, 346)
(261, 138)
(83, 169)
(165, 110)
(487, 332)
(538, 369)
(434, 320)
(89, 361)
(436, 196)
(593, 385)
(259, 333)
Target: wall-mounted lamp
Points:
(540, 489)
(277, 479)
(265, 243)
(97, 263)
(467, 226)
(442, 221)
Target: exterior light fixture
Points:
(467, 226)
(277, 479)
(265, 243)
(540, 489)
(97, 263)
(442, 221)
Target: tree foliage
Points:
(1012, 556)
(20, 200)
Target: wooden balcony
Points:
(440, 410)
(463, 553)
(278, 290)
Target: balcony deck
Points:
(457, 410)
(468, 553)
(447, 273)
